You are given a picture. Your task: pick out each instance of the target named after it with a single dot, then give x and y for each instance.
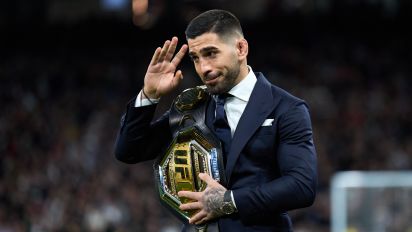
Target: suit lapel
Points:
(260, 105)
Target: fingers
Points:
(172, 48)
(178, 77)
(155, 57)
(191, 195)
(208, 179)
(179, 56)
(163, 53)
(166, 52)
(191, 206)
(198, 218)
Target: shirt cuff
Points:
(144, 102)
(233, 199)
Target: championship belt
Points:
(193, 150)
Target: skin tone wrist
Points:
(149, 94)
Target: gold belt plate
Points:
(189, 154)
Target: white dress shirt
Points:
(144, 102)
(234, 106)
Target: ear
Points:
(242, 48)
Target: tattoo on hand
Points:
(213, 199)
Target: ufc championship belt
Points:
(193, 150)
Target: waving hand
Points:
(161, 76)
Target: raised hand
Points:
(161, 76)
(207, 202)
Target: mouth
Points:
(211, 79)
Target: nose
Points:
(204, 67)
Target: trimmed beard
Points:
(228, 82)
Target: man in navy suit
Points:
(271, 159)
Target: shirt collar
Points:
(244, 88)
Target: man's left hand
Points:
(207, 202)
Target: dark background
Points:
(68, 68)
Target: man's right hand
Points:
(161, 76)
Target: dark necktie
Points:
(222, 129)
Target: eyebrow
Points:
(204, 50)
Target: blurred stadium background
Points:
(68, 67)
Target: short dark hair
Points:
(221, 22)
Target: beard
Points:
(227, 83)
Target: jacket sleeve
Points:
(139, 139)
(296, 188)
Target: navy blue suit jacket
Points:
(270, 169)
